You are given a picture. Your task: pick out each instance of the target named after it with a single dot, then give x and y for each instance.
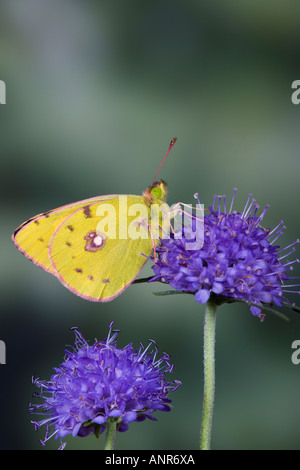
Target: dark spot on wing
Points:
(91, 278)
(36, 222)
(78, 270)
(68, 244)
(70, 227)
(40, 239)
(94, 241)
(105, 281)
(87, 212)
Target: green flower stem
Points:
(110, 435)
(209, 374)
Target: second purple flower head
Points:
(100, 383)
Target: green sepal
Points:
(143, 279)
(98, 430)
(98, 427)
(172, 292)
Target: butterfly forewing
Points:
(33, 237)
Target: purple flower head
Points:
(239, 260)
(100, 383)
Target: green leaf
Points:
(264, 308)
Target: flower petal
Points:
(202, 296)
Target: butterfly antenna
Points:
(169, 149)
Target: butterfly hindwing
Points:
(92, 264)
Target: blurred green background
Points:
(95, 92)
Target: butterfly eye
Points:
(156, 192)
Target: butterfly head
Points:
(156, 193)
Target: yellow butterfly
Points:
(96, 247)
